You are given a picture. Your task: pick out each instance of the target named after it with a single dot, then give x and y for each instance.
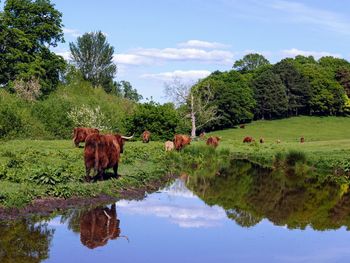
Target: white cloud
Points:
(71, 32)
(317, 54)
(189, 75)
(301, 13)
(65, 54)
(202, 44)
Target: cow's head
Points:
(121, 140)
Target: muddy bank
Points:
(47, 206)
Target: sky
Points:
(158, 40)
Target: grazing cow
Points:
(180, 141)
(248, 139)
(202, 135)
(242, 126)
(262, 140)
(302, 139)
(278, 141)
(99, 225)
(169, 146)
(81, 133)
(102, 152)
(145, 136)
(213, 141)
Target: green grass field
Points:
(31, 169)
(327, 140)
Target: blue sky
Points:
(157, 40)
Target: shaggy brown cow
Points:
(302, 139)
(262, 140)
(180, 141)
(169, 146)
(202, 135)
(81, 133)
(99, 225)
(102, 152)
(248, 139)
(145, 136)
(242, 126)
(213, 141)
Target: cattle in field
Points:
(242, 126)
(80, 134)
(278, 141)
(248, 139)
(202, 135)
(169, 146)
(181, 140)
(146, 136)
(262, 140)
(102, 152)
(302, 139)
(99, 225)
(213, 141)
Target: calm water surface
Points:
(244, 215)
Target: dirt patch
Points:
(46, 206)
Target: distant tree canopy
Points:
(125, 90)
(250, 62)
(93, 56)
(27, 31)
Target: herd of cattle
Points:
(102, 151)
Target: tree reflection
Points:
(24, 241)
(250, 193)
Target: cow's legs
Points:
(87, 175)
(115, 169)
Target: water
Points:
(245, 214)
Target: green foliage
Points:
(270, 95)
(294, 157)
(29, 29)
(93, 56)
(161, 120)
(125, 90)
(250, 62)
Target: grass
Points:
(327, 141)
(31, 169)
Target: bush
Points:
(294, 157)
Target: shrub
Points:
(294, 157)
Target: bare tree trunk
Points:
(193, 118)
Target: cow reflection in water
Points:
(99, 225)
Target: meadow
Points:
(32, 169)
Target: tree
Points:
(125, 90)
(197, 101)
(250, 62)
(161, 120)
(343, 77)
(270, 95)
(28, 30)
(297, 86)
(93, 56)
(232, 96)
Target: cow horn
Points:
(128, 138)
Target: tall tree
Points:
(124, 89)
(199, 108)
(250, 62)
(93, 56)
(28, 30)
(270, 95)
(297, 86)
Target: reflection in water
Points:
(249, 193)
(99, 225)
(24, 241)
(96, 226)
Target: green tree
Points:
(343, 77)
(297, 86)
(28, 30)
(232, 96)
(250, 62)
(93, 56)
(270, 95)
(124, 89)
(161, 120)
